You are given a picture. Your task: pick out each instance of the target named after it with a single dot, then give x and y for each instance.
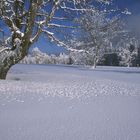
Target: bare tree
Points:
(26, 20)
(98, 30)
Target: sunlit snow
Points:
(48, 102)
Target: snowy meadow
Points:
(59, 102)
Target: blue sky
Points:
(133, 23)
(132, 5)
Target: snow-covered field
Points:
(47, 102)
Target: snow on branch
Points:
(110, 25)
(60, 43)
(60, 18)
(12, 26)
(36, 36)
(60, 26)
(126, 12)
(76, 9)
(4, 49)
(54, 8)
(105, 1)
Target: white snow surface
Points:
(58, 102)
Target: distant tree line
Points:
(123, 57)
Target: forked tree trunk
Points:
(20, 42)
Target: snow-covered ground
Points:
(48, 102)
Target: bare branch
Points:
(60, 26)
(76, 9)
(60, 43)
(35, 38)
(4, 49)
(54, 8)
(109, 25)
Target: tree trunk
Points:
(3, 72)
(95, 57)
(95, 63)
(6, 63)
(94, 66)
